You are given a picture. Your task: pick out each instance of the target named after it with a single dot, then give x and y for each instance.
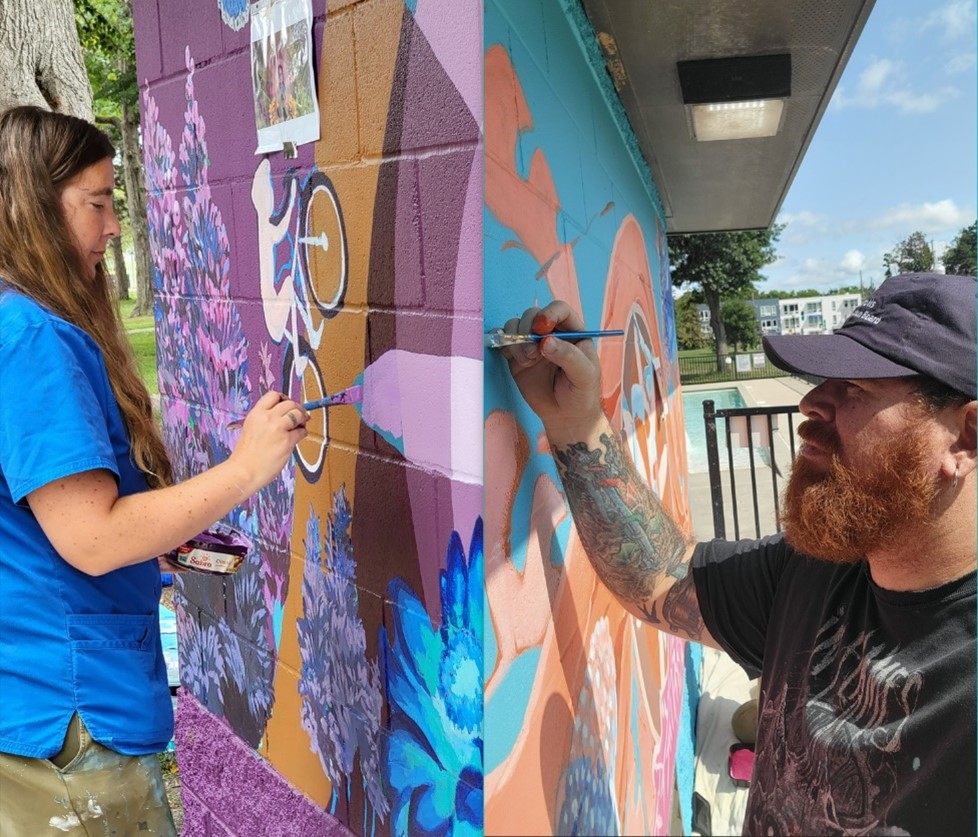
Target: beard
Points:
(847, 511)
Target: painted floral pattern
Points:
(203, 376)
(434, 677)
(589, 801)
(234, 12)
(341, 690)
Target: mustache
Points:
(820, 435)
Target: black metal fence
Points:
(737, 366)
(747, 479)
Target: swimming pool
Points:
(723, 399)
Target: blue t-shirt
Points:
(69, 642)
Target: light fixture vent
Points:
(735, 98)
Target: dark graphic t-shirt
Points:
(867, 706)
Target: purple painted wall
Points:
(236, 787)
(336, 680)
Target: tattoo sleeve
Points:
(631, 541)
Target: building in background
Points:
(798, 315)
(816, 314)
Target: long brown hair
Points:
(40, 152)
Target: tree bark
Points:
(136, 198)
(132, 177)
(41, 59)
(716, 323)
(121, 272)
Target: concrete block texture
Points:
(222, 774)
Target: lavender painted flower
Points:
(434, 752)
(198, 647)
(203, 376)
(341, 691)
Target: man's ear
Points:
(964, 447)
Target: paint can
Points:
(219, 550)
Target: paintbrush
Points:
(350, 395)
(496, 338)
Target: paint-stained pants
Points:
(86, 789)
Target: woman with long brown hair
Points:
(87, 501)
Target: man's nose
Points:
(819, 402)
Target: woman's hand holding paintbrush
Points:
(350, 395)
(269, 434)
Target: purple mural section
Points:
(237, 792)
(334, 684)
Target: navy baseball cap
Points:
(913, 324)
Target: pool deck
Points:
(723, 684)
(762, 392)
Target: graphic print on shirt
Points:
(831, 746)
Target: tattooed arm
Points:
(634, 546)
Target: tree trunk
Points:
(719, 332)
(132, 165)
(121, 273)
(41, 59)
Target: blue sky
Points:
(895, 150)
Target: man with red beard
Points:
(859, 618)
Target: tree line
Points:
(722, 270)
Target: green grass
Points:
(130, 322)
(144, 345)
(142, 338)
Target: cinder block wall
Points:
(583, 702)
(316, 691)
(347, 677)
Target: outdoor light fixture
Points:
(735, 98)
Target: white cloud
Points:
(802, 219)
(802, 227)
(811, 273)
(885, 83)
(852, 262)
(872, 79)
(955, 19)
(927, 217)
(961, 64)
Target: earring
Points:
(954, 482)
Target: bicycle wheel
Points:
(310, 453)
(322, 244)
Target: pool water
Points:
(723, 399)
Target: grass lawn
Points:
(142, 337)
(130, 322)
(144, 345)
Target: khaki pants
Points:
(83, 791)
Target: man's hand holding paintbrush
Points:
(559, 378)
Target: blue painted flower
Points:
(234, 12)
(434, 752)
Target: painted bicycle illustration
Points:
(304, 270)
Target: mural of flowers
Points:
(589, 802)
(234, 12)
(203, 377)
(340, 687)
(433, 755)
(198, 646)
